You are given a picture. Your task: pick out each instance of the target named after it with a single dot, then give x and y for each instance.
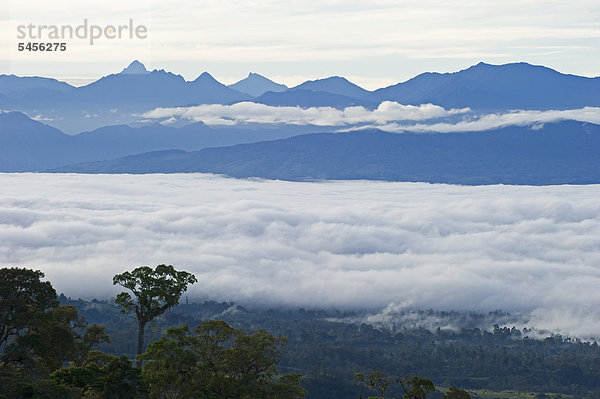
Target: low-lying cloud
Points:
(342, 244)
(498, 120)
(249, 112)
(388, 116)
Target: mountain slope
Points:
(43, 142)
(15, 86)
(561, 153)
(484, 86)
(27, 145)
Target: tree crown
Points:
(156, 290)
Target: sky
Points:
(372, 43)
(350, 244)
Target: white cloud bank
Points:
(498, 120)
(344, 244)
(388, 116)
(250, 112)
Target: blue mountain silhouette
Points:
(133, 88)
(256, 85)
(485, 86)
(559, 153)
(18, 86)
(309, 98)
(136, 86)
(335, 85)
(29, 145)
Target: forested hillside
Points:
(328, 353)
(59, 347)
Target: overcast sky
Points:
(374, 43)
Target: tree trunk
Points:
(141, 326)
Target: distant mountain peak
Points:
(336, 85)
(135, 68)
(517, 85)
(256, 84)
(205, 77)
(520, 65)
(257, 76)
(331, 79)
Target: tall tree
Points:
(156, 290)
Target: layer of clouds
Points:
(344, 244)
(388, 116)
(249, 112)
(498, 120)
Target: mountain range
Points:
(115, 137)
(482, 87)
(136, 87)
(558, 153)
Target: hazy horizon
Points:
(373, 44)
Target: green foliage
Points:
(24, 299)
(455, 393)
(416, 387)
(413, 388)
(38, 336)
(328, 353)
(103, 376)
(49, 389)
(155, 290)
(171, 365)
(218, 361)
(54, 341)
(40, 389)
(189, 364)
(377, 381)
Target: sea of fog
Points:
(350, 244)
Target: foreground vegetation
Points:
(57, 347)
(47, 347)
